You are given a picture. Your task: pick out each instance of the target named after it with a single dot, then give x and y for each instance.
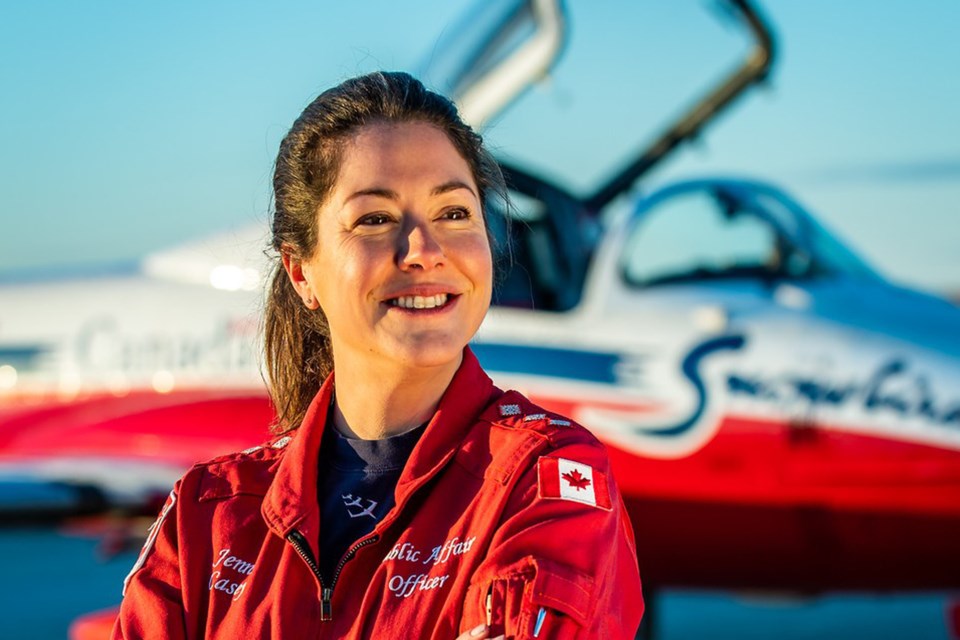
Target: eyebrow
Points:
(453, 185)
(446, 187)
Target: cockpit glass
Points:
(715, 233)
(692, 237)
(485, 36)
(826, 250)
(600, 106)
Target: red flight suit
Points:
(502, 510)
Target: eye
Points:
(373, 220)
(457, 213)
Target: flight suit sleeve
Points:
(562, 563)
(152, 604)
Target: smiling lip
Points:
(422, 299)
(421, 302)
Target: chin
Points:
(431, 353)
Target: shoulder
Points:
(513, 432)
(515, 413)
(564, 467)
(249, 472)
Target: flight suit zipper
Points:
(302, 547)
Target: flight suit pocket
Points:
(534, 598)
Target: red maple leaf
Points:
(575, 480)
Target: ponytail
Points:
(297, 350)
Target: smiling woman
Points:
(404, 495)
(402, 265)
(331, 195)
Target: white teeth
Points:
(421, 302)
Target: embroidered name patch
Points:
(562, 479)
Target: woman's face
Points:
(402, 267)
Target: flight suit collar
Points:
(470, 391)
(291, 501)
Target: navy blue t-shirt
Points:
(355, 487)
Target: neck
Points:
(374, 402)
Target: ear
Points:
(293, 265)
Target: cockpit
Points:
(731, 230)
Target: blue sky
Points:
(128, 127)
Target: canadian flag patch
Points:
(564, 479)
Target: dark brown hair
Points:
(297, 339)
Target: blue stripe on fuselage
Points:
(22, 357)
(554, 362)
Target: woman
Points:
(406, 497)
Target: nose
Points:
(419, 249)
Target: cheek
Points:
(478, 261)
(354, 261)
(485, 260)
(340, 280)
